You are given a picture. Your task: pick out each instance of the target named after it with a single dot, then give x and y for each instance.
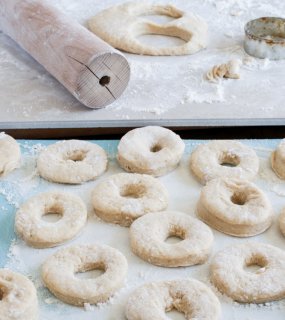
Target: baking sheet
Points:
(169, 91)
(184, 192)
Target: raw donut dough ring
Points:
(278, 160)
(72, 161)
(282, 222)
(10, 154)
(121, 25)
(234, 206)
(148, 235)
(188, 296)
(209, 161)
(124, 197)
(58, 273)
(151, 150)
(18, 297)
(264, 285)
(41, 234)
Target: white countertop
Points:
(162, 90)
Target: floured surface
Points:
(184, 192)
(161, 88)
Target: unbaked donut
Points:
(190, 297)
(282, 222)
(59, 273)
(41, 234)
(229, 274)
(278, 160)
(72, 162)
(151, 150)
(122, 24)
(10, 154)
(235, 206)
(148, 235)
(124, 197)
(224, 158)
(18, 297)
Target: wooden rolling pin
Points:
(94, 72)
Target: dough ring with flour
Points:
(18, 297)
(148, 236)
(124, 197)
(229, 274)
(150, 150)
(38, 233)
(10, 154)
(278, 160)
(234, 206)
(59, 273)
(190, 297)
(72, 162)
(224, 158)
(121, 25)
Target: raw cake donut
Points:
(122, 24)
(148, 235)
(191, 297)
(10, 154)
(42, 234)
(229, 275)
(282, 222)
(18, 297)
(224, 158)
(124, 197)
(235, 206)
(72, 161)
(278, 160)
(59, 273)
(151, 150)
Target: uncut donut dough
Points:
(10, 154)
(18, 297)
(121, 25)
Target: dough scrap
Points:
(231, 70)
(121, 25)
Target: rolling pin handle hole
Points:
(104, 81)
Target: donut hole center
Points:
(53, 214)
(256, 264)
(134, 191)
(156, 148)
(239, 198)
(229, 160)
(175, 235)
(175, 315)
(76, 155)
(91, 271)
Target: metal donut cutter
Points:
(265, 38)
